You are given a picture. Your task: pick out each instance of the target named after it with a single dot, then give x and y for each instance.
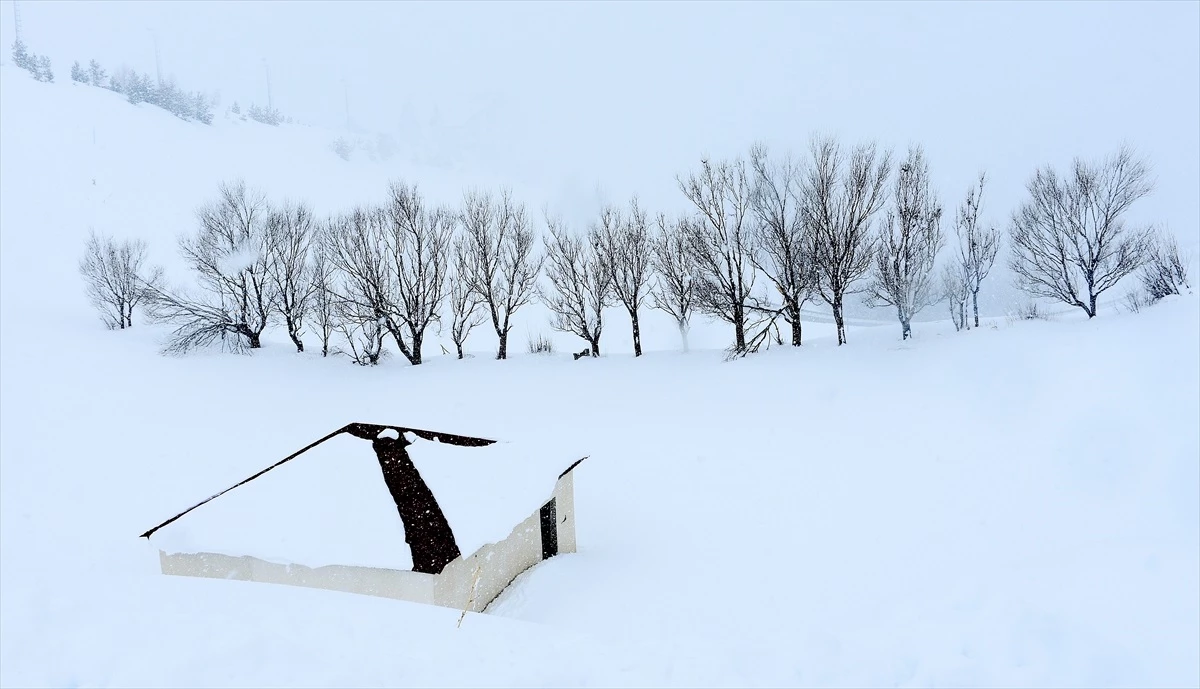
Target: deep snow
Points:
(1014, 506)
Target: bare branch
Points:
(908, 245)
(838, 200)
(229, 255)
(1070, 240)
(114, 280)
(288, 238)
(465, 303)
(627, 244)
(978, 245)
(954, 288)
(418, 246)
(501, 266)
(1166, 269)
(720, 242)
(780, 249)
(672, 291)
(580, 278)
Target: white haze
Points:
(598, 101)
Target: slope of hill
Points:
(1014, 506)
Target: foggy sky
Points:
(599, 101)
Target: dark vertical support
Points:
(549, 517)
(426, 530)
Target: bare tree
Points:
(199, 321)
(580, 278)
(229, 256)
(908, 245)
(113, 276)
(363, 337)
(837, 201)
(1166, 268)
(672, 291)
(323, 282)
(419, 252)
(394, 262)
(720, 242)
(955, 290)
(366, 289)
(289, 237)
(1070, 239)
(465, 313)
(780, 250)
(628, 247)
(501, 266)
(977, 244)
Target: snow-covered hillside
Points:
(1018, 505)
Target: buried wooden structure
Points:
(441, 573)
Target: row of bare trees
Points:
(820, 228)
(766, 235)
(364, 277)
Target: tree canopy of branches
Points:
(628, 249)
(113, 275)
(1166, 268)
(838, 199)
(465, 303)
(780, 251)
(394, 263)
(955, 290)
(323, 277)
(672, 291)
(419, 244)
(908, 245)
(501, 267)
(365, 285)
(229, 255)
(1070, 239)
(977, 244)
(288, 239)
(580, 276)
(720, 242)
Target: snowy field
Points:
(1014, 506)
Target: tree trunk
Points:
(291, 328)
(637, 333)
(837, 319)
(428, 534)
(502, 352)
(683, 334)
(255, 341)
(739, 329)
(399, 338)
(458, 346)
(906, 329)
(975, 303)
(1091, 310)
(794, 319)
(418, 339)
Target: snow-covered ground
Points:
(1014, 506)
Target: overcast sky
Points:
(617, 97)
